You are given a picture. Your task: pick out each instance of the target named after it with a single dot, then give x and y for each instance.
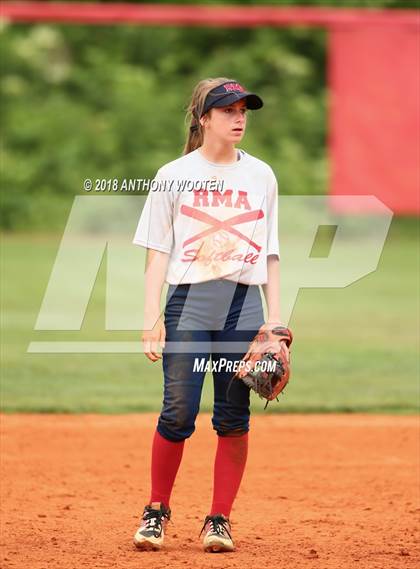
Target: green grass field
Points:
(356, 348)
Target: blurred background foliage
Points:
(109, 102)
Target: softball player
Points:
(210, 230)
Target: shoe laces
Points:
(218, 524)
(153, 519)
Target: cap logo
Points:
(233, 87)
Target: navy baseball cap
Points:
(228, 93)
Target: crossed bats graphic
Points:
(218, 225)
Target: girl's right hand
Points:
(151, 338)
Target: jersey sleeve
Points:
(272, 213)
(155, 227)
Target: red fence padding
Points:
(171, 14)
(375, 115)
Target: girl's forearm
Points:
(155, 273)
(272, 288)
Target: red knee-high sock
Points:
(166, 458)
(229, 466)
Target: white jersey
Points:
(216, 221)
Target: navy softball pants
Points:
(205, 322)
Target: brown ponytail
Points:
(194, 111)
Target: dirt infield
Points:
(319, 491)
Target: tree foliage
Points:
(109, 102)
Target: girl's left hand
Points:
(267, 326)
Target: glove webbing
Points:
(258, 382)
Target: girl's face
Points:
(226, 123)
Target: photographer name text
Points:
(149, 185)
